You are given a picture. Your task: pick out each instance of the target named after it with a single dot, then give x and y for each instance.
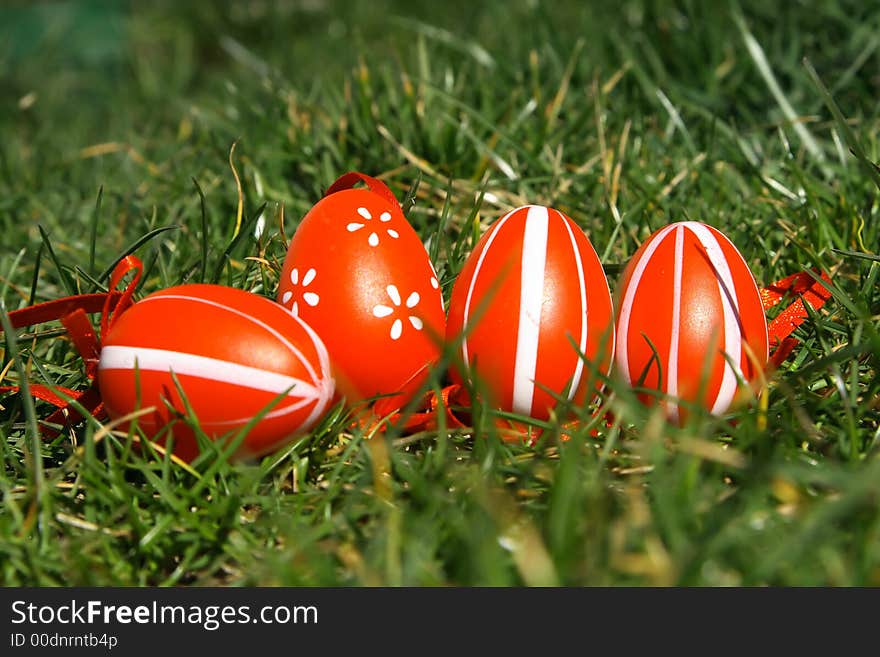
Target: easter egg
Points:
(358, 273)
(690, 322)
(234, 354)
(530, 300)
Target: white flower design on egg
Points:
(381, 310)
(311, 298)
(365, 216)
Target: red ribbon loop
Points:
(350, 179)
(82, 334)
(129, 263)
(44, 393)
(72, 312)
(806, 286)
(425, 419)
(52, 310)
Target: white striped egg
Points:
(234, 355)
(530, 308)
(690, 322)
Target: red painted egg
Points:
(530, 297)
(688, 292)
(233, 353)
(358, 273)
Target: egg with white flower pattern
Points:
(358, 273)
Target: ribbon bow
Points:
(72, 312)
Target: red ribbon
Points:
(72, 311)
(386, 413)
(806, 286)
(350, 179)
(112, 311)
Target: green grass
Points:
(117, 121)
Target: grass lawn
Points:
(758, 117)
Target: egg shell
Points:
(358, 273)
(233, 353)
(529, 298)
(688, 292)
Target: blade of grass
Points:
(134, 246)
(38, 259)
(66, 281)
(203, 268)
(233, 244)
(447, 38)
(240, 207)
(869, 167)
(756, 52)
(33, 443)
(93, 229)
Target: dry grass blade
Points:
(239, 212)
